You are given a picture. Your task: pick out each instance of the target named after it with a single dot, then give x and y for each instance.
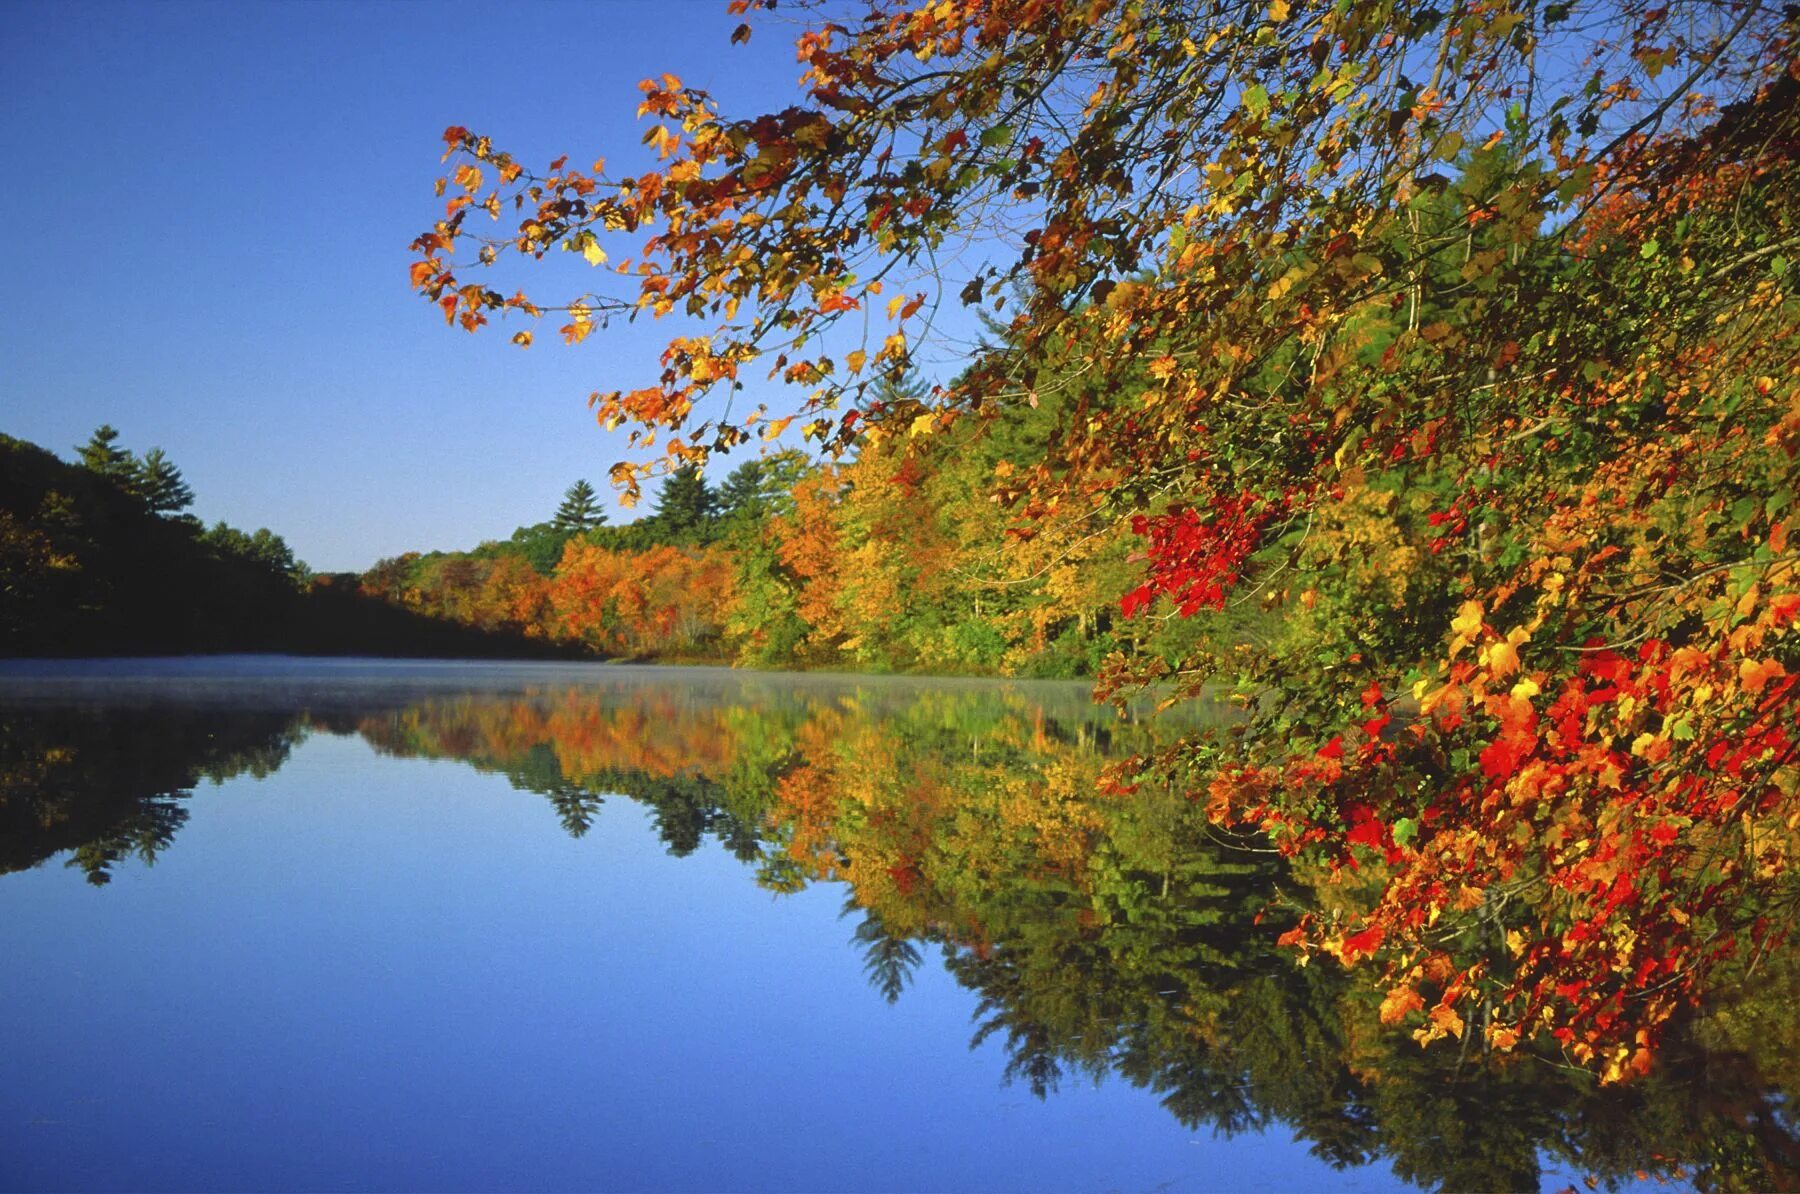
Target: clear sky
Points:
(209, 207)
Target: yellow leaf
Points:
(856, 360)
(1505, 23)
(1468, 619)
(1287, 282)
(1466, 624)
(1278, 10)
(593, 252)
(923, 425)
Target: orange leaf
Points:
(1754, 676)
(1398, 1003)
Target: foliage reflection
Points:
(1102, 933)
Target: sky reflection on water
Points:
(433, 946)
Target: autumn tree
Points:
(1325, 282)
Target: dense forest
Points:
(890, 559)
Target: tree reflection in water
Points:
(1101, 932)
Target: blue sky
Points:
(210, 206)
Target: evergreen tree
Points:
(741, 489)
(685, 505)
(761, 486)
(580, 510)
(102, 454)
(902, 388)
(262, 547)
(160, 484)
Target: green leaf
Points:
(1256, 100)
(1576, 183)
(998, 136)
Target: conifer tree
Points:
(102, 454)
(580, 510)
(686, 505)
(160, 484)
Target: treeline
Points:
(101, 557)
(898, 559)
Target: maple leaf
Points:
(1357, 946)
(1400, 1001)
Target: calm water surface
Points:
(270, 923)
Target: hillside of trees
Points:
(892, 559)
(99, 557)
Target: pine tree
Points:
(902, 388)
(686, 505)
(742, 490)
(760, 486)
(160, 484)
(102, 454)
(580, 510)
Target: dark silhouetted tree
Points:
(102, 454)
(160, 484)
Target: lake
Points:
(349, 924)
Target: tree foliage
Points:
(161, 485)
(580, 510)
(103, 455)
(89, 567)
(1460, 341)
(152, 479)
